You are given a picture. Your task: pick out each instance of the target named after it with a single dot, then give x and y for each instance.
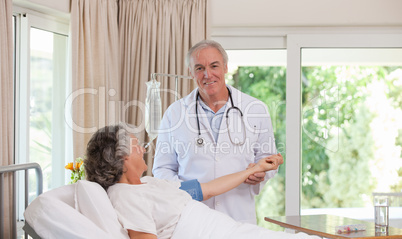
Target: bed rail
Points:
(13, 169)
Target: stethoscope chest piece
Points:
(200, 142)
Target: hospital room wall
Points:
(291, 13)
(285, 13)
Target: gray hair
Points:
(205, 44)
(105, 154)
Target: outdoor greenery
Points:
(40, 117)
(351, 133)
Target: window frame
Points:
(291, 40)
(24, 20)
(295, 43)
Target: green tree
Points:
(337, 125)
(349, 175)
(330, 95)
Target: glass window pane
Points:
(41, 84)
(351, 129)
(48, 53)
(262, 74)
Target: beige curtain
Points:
(116, 45)
(95, 68)
(155, 36)
(6, 102)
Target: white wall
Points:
(57, 8)
(262, 24)
(306, 13)
(274, 13)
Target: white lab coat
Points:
(179, 158)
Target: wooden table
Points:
(324, 226)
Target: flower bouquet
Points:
(77, 170)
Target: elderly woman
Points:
(153, 208)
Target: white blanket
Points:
(199, 222)
(83, 210)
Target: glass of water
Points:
(381, 211)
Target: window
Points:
(41, 85)
(318, 106)
(351, 128)
(48, 58)
(331, 100)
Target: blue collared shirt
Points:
(214, 119)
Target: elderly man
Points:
(214, 131)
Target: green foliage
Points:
(349, 175)
(332, 97)
(398, 186)
(40, 143)
(271, 200)
(267, 84)
(338, 150)
(43, 124)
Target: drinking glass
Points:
(381, 212)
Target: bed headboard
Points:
(13, 169)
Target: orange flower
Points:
(78, 165)
(70, 166)
(77, 169)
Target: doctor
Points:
(214, 131)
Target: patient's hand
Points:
(271, 162)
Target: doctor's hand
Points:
(256, 178)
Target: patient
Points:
(153, 208)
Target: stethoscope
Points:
(200, 141)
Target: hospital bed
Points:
(83, 210)
(14, 169)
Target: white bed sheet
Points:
(199, 222)
(83, 210)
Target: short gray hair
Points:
(205, 44)
(106, 151)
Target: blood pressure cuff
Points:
(193, 188)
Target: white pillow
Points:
(92, 201)
(52, 215)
